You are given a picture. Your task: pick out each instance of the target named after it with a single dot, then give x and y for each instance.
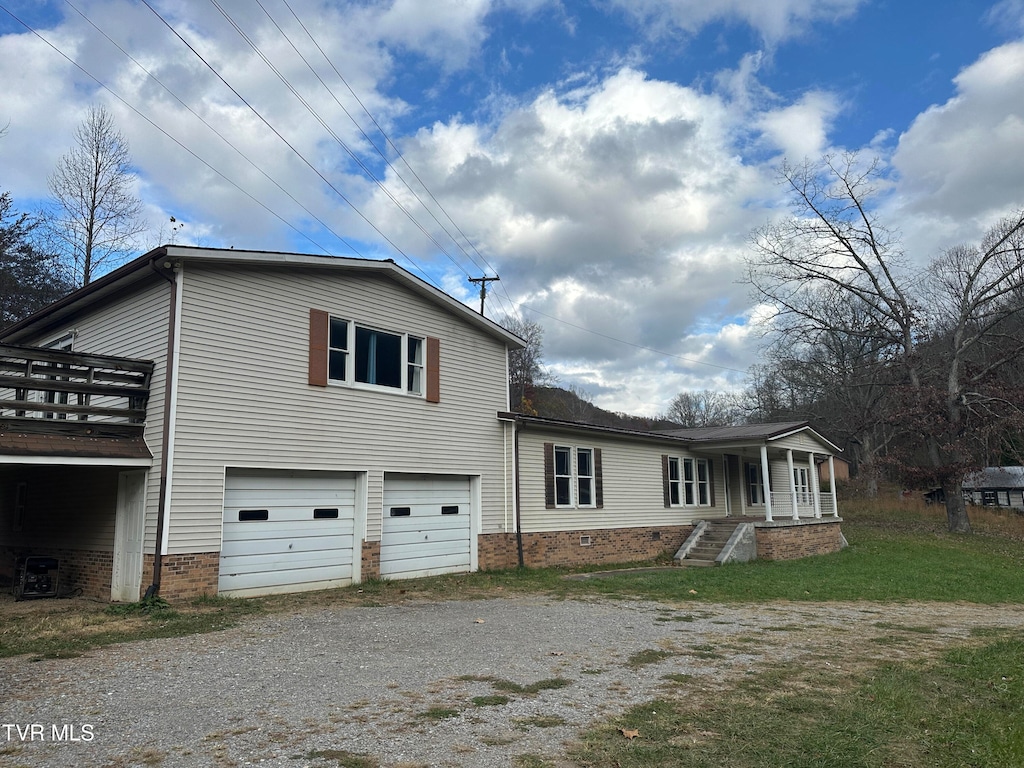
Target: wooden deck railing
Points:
(49, 390)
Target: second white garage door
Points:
(287, 531)
(427, 525)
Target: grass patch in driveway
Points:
(439, 713)
(963, 709)
(344, 758)
(648, 656)
(67, 628)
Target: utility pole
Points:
(483, 287)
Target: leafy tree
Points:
(96, 215)
(30, 278)
(935, 338)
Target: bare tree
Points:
(96, 215)
(524, 365)
(704, 408)
(936, 337)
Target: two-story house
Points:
(207, 421)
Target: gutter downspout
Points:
(515, 468)
(172, 321)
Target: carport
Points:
(74, 467)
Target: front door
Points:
(128, 532)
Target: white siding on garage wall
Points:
(632, 482)
(244, 396)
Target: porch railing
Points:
(54, 391)
(782, 504)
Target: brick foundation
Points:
(496, 551)
(791, 540)
(184, 576)
(611, 545)
(370, 561)
(84, 572)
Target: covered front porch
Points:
(793, 489)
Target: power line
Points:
(117, 96)
(398, 152)
(287, 143)
(221, 136)
(309, 108)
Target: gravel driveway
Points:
(398, 683)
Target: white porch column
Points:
(815, 482)
(792, 483)
(832, 485)
(765, 488)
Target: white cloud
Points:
(961, 163)
(801, 130)
(774, 20)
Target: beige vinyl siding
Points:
(801, 441)
(244, 399)
(132, 325)
(632, 481)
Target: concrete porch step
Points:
(710, 538)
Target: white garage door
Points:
(287, 531)
(427, 525)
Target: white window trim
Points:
(689, 467)
(575, 477)
(759, 482)
(404, 363)
(571, 504)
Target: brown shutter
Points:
(319, 323)
(664, 481)
(433, 370)
(549, 475)
(598, 479)
(711, 481)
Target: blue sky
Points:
(608, 159)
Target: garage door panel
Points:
(297, 545)
(437, 522)
(284, 529)
(425, 538)
(433, 566)
(286, 580)
(412, 550)
(284, 561)
(292, 549)
(281, 498)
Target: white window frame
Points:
(802, 484)
(754, 483)
(566, 477)
(675, 482)
(411, 359)
(586, 481)
(575, 480)
(691, 484)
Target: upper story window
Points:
(342, 351)
(687, 482)
(361, 355)
(572, 477)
